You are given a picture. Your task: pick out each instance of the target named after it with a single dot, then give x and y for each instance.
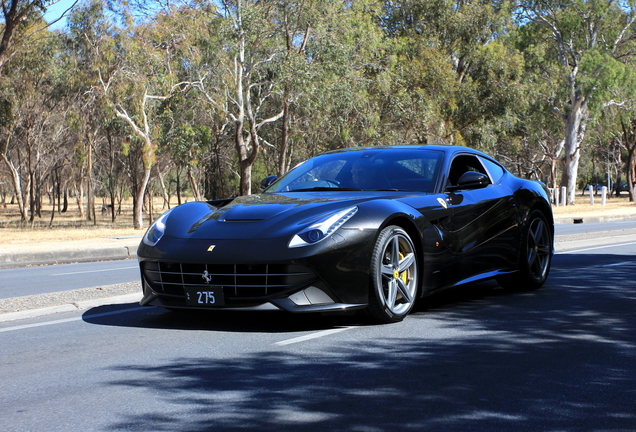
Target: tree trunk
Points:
(147, 158)
(575, 122)
(151, 209)
(164, 191)
(194, 185)
(15, 178)
(282, 155)
(90, 195)
(80, 199)
(631, 173)
(246, 177)
(32, 196)
(111, 193)
(246, 158)
(54, 193)
(178, 180)
(629, 134)
(65, 200)
(138, 208)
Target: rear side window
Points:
(495, 170)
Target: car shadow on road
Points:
(457, 298)
(133, 315)
(560, 358)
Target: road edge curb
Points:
(82, 305)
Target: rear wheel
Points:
(536, 256)
(394, 279)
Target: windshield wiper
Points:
(325, 189)
(393, 190)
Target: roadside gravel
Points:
(17, 304)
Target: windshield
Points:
(375, 169)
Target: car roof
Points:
(448, 149)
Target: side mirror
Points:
(267, 182)
(471, 180)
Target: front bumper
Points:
(298, 302)
(257, 275)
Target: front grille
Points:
(239, 281)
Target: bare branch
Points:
(614, 103)
(270, 120)
(619, 38)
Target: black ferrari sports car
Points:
(362, 228)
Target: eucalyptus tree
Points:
(31, 125)
(463, 73)
(15, 17)
(581, 48)
(333, 56)
(88, 53)
(194, 125)
(110, 167)
(297, 23)
(629, 142)
(352, 58)
(185, 139)
(613, 146)
(265, 62)
(20, 20)
(248, 49)
(141, 77)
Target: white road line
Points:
(26, 326)
(618, 264)
(597, 247)
(62, 321)
(313, 336)
(94, 271)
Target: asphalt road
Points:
(23, 281)
(566, 229)
(562, 358)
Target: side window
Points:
(462, 164)
(420, 167)
(415, 172)
(495, 170)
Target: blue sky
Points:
(54, 11)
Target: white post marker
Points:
(564, 196)
(555, 193)
(590, 189)
(603, 195)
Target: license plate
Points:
(205, 296)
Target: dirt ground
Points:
(612, 205)
(69, 226)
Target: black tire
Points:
(535, 256)
(394, 276)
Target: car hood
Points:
(260, 216)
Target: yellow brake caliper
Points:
(404, 276)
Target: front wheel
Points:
(394, 277)
(536, 256)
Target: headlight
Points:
(322, 229)
(156, 230)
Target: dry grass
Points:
(69, 226)
(612, 205)
(29, 235)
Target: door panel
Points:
(482, 230)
